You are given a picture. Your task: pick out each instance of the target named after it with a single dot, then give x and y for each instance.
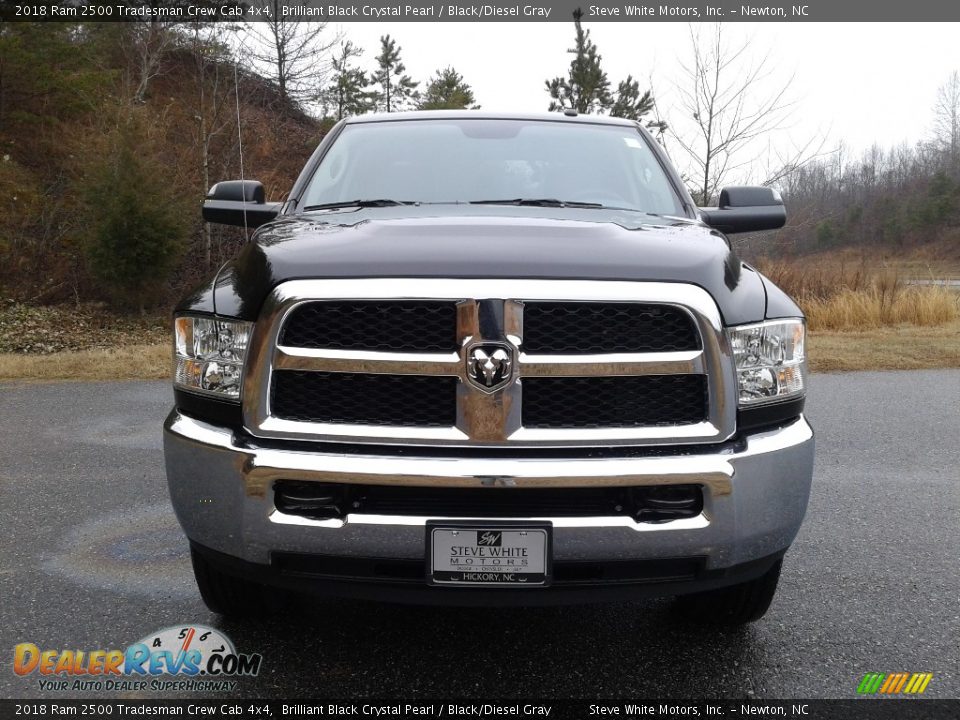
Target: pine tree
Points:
(396, 88)
(586, 88)
(630, 104)
(633, 105)
(135, 220)
(446, 90)
(347, 93)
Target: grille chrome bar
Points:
(490, 311)
(668, 363)
(375, 362)
(388, 363)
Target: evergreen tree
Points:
(630, 104)
(396, 88)
(136, 220)
(447, 90)
(586, 88)
(633, 105)
(347, 93)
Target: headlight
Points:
(209, 355)
(770, 359)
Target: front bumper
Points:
(755, 496)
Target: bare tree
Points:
(215, 90)
(292, 53)
(148, 42)
(732, 101)
(785, 158)
(146, 48)
(946, 121)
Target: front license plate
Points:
(493, 555)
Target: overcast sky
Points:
(858, 83)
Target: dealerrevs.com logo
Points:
(186, 657)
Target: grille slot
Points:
(658, 503)
(364, 399)
(491, 502)
(617, 327)
(387, 326)
(614, 402)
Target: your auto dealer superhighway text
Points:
(452, 710)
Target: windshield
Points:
(492, 161)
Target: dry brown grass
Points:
(856, 296)
(879, 306)
(863, 315)
(907, 347)
(132, 362)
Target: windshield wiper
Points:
(539, 202)
(358, 203)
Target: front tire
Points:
(733, 605)
(227, 594)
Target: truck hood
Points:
(488, 242)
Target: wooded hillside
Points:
(83, 159)
(111, 134)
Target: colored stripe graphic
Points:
(889, 683)
(894, 683)
(918, 683)
(871, 683)
(898, 685)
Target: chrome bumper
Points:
(755, 496)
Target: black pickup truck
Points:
(482, 358)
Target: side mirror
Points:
(239, 202)
(746, 209)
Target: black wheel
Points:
(733, 605)
(230, 595)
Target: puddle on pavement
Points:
(140, 551)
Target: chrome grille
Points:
(657, 378)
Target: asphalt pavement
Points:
(91, 557)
